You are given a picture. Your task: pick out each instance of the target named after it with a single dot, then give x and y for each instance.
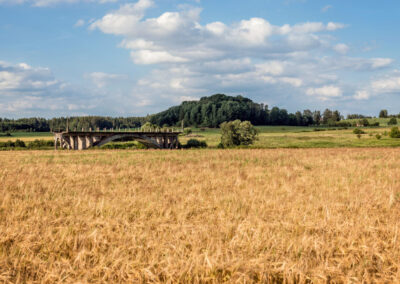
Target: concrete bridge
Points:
(81, 140)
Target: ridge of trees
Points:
(214, 110)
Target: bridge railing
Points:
(138, 130)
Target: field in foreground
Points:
(200, 216)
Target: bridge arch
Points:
(141, 138)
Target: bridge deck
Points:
(117, 132)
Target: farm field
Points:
(305, 137)
(27, 136)
(278, 215)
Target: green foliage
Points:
(378, 136)
(331, 117)
(342, 124)
(149, 127)
(124, 145)
(55, 124)
(235, 133)
(10, 144)
(358, 131)
(394, 132)
(363, 122)
(194, 143)
(39, 144)
(187, 131)
(392, 121)
(36, 144)
(212, 111)
(383, 113)
(20, 143)
(355, 116)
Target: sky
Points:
(133, 58)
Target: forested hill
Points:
(212, 111)
(207, 112)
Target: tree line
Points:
(207, 112)
(78, 123)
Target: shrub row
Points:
(127, 145)
(36, 144)
(194, 143)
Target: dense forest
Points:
(56, 124)
(212, 111)
(207, 112)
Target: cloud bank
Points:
(45, 3)
(295, 66)
(252, 56)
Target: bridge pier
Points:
(81, 142)
(89, 141)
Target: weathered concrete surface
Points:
(81, 140)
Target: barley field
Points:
(210, 216)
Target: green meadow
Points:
(269, 137)
(304, 137)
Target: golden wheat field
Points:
(286, 216)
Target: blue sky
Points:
(130, 58)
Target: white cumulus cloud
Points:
(362, 95)
(45, 3)
(325, 92)
(341, 48)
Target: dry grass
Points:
(200, 216)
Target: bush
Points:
(7, 144)
(394, 132)
(358, 131)
(187, 131)
(10, 144)
(126, 145)
(343, 124)
(235, 133)
(149, 127)
(378, 136)
(392, 121)
(363, 122)
(37, 144)
(194, 143)
(20, 144)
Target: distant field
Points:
(27, 136)
(275, 137)
(305, 137)
(283, 215)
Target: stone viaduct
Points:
(80, 140)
